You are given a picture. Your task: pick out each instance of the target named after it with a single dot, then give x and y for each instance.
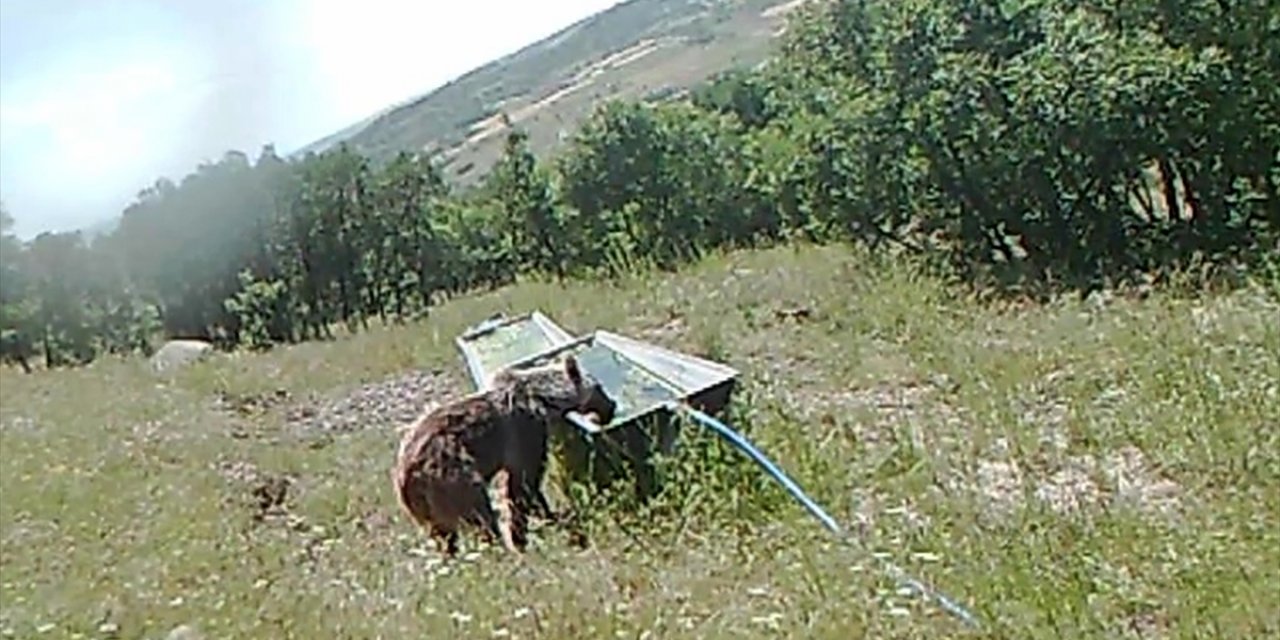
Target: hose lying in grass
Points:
(739, 441)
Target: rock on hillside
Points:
(179, 353)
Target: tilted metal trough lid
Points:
(641, 377)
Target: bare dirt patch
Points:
(873, 410)
(1148, 625)
(1122, 479)
(1136, 483)
(379, 405)
(667, 332)
(1072, 487)
(267, 496)
(250, 404)
(780, 10)
(497, 123)
(999, 483)
(263, 493)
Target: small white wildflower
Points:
(46, 628)
(770, 620)
(899, 611)
(460, 617)
(523, 612)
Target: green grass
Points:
(1067, 470)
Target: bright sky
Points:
(98, 98)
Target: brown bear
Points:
(450, 454)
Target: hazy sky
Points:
(98, 98)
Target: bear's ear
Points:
(571, 369)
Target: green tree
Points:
(659, 181)
(741, 93)
(59, 270)
(17, 313)
(407, 193)
(537, 225)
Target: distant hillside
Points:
(637, 49)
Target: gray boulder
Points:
(178, 353)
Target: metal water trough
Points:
(648, 383)
(651, 385)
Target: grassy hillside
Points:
(1082, 469)
(635, 49)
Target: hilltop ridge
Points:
(636, 49)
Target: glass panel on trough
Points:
(500, 341)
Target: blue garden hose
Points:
(739, 441)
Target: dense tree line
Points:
(1069, 143)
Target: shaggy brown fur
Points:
(450, 454)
